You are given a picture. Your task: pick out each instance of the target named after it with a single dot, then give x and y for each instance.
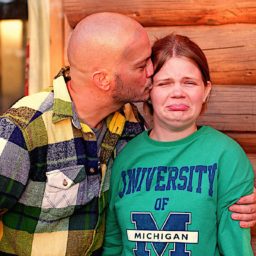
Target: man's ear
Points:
(102, 79)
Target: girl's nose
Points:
(177, 91)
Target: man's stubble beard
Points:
(125, 94)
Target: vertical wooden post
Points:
(56, 36)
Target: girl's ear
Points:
(208, 88)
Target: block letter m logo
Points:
(174, 230)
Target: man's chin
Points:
(142, 99)
(137, 99)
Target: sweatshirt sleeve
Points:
(113, 239)
(14, 164)
(235, 180)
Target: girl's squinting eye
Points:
(160, 84)
(190, 83)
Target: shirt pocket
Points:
(68, 187)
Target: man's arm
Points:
(244, 210)
(14, 164)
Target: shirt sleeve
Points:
(113, 238)
(235, 180)
(14, 164)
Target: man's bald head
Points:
(110, 65)
(100, 39)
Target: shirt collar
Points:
(62, 104)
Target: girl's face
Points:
(178, 94)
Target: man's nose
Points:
(149, 69)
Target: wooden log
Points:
(167, 13)
(230, 122)
(230, 49)
(247, 142)
(231, 108)
(232, 100)
(252, 158)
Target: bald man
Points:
(57, 146)
(110, 63)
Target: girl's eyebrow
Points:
(170, 79)
(189, 77)
(163, 80)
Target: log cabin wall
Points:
(225, 30)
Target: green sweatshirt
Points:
(172, 198)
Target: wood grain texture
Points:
(231, 108)
(230, 49)
(247, 141)
(252, 158)
(167, 13)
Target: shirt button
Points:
(90, 195)
(92, 170)
(65, 183)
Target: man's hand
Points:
(244, 210)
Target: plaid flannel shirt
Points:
(53, 184)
